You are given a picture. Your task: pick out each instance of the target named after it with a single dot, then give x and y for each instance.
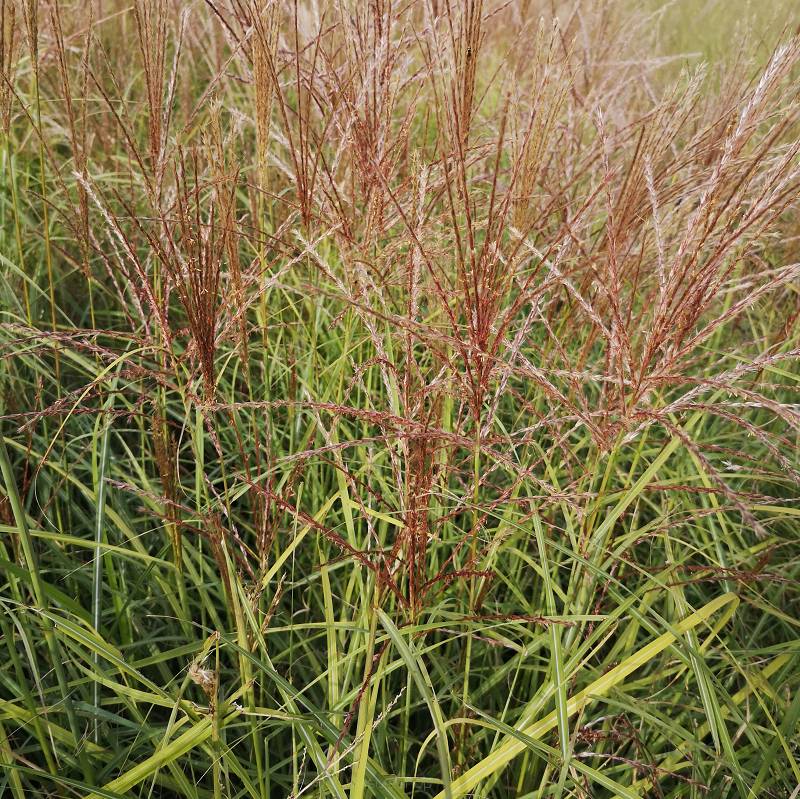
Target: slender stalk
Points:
(18, 229)
(99, 538)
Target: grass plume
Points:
(398, 400)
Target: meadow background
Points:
(399, 399)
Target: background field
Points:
(399, 399)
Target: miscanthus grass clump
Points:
(399, 399)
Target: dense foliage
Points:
(399, 399)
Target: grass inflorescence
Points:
(398, 399)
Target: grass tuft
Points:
(399, 400)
